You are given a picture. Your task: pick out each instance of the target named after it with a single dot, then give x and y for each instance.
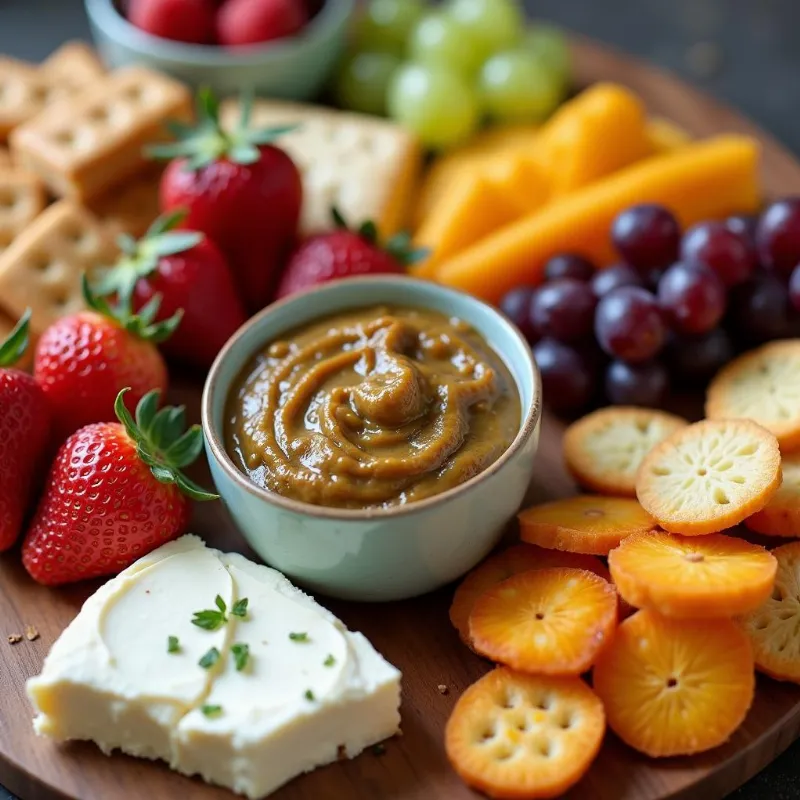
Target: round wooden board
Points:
(414, 635)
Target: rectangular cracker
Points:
(5, 157)
(132, 206)
(366, 167)
(24, 91)
(94, 139)
(42, 267)
(73, 66)
(22, 199)
(7, 324)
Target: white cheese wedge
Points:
(308, 692)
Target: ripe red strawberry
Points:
(114, 493)
(239, 190)
(345, 253)
(84, 360)
(24, 431)
(243, 22)
(190, 273)
(191, 21)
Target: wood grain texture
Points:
(415, 635)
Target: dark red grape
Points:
(629, 325)
(759, 310)
(647, 237)
(569, 265)
(695, 359)
(743, 224)
(794, 288)
(693, 298)
(724, 251)
(567, 379)
(636, 384)
(606, 280)
(778, 236)
(564, 310)
(516, 305)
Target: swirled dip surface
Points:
(372, 408)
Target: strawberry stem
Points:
(162, 442)
(16, 343)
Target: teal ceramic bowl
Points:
(291, 69)
(376, 554)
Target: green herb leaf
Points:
(14, 346)
(298, 637)
(211, 711)
(309, 695)
(173, 645)
(209, 659)
(209, 620)
(329, 661)
(240, 608)
(220, 604)
(241, 655)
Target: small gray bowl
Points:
(375, 554)
(290, 69)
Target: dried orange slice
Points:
(692, 576)
(774, 628)
(524, 736)
(604, 449)
(762, 385)
(709, 476)
(550, 621)
(584, 524)
(781, 516)
(500, 567)
(675, 687)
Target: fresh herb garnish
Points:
(209, 659)
(329, 661)
(299, 637)
(211, 711)
(309, 695)
(211, 619)
(241, 655)
(240, 608)
(173, 645)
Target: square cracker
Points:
(73, 66)
(24, 91)
(22, 199)
(5, 157)
(42, 267)
(366, 167)
(132, 206)
(94, 139)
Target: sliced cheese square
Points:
(366, 167)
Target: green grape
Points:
(549, 45)
(434, 102)
(515, 86)
(362, 81)
(438, 40)
(385, 25)
(493, 24)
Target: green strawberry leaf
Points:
(161, 442)
(13, 347)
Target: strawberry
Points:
(239, 190)
(83, 360)
(191, 21)
(114, 493)
(190, 273)
(345, 253)
(243, 22)
(24, 430)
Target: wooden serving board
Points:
(415, 635)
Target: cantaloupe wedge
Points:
(704, 180)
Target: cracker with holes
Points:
(590, 524)
(692, 577)
(774, 627)
(781, 516)
(710, 476)
(22, 199)
(73, 66)
(604, 449)
(132, 206)
(512, 735)
(366, 167)
(675, 687)
(762, 385)
(550, 621)
(24, 91)
(82, 149)
(41, 269)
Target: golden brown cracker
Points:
(73, 65)
(22, 199)
(132, 206)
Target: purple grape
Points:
(695, 359)
(516, 305)
(760, 310)
(794, 288)
(636, 384)
(724, 251)
(629, 325)
(606, 280)
(563, 309)
(647, 237)
(569, 265)
(567, 379)
(693, 298)
(778, 236)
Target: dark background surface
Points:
(745, 52)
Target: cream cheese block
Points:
(284, 687)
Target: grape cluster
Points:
(677, 307)
(439, 71)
